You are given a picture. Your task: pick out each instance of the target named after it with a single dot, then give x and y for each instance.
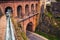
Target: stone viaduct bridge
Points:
(24, 11)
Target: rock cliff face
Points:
(55, 8)
(48, 25)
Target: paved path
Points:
(9, 29)
(32, 36)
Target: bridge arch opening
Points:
(19, 11)
(32, 8)
(29, 26)
(8, 9)
(27, 10)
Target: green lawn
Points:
(50, 37)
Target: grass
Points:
(49, 37)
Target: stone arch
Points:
(19, 11)
(32, 8)
(27, 9)
(29, 26)
(8, 10)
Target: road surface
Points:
(33, 36)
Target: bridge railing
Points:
(27, 15)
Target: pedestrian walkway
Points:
(34, 36)
(9, 28)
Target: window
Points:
(32, 8)
(19, 11)
(27, 10)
